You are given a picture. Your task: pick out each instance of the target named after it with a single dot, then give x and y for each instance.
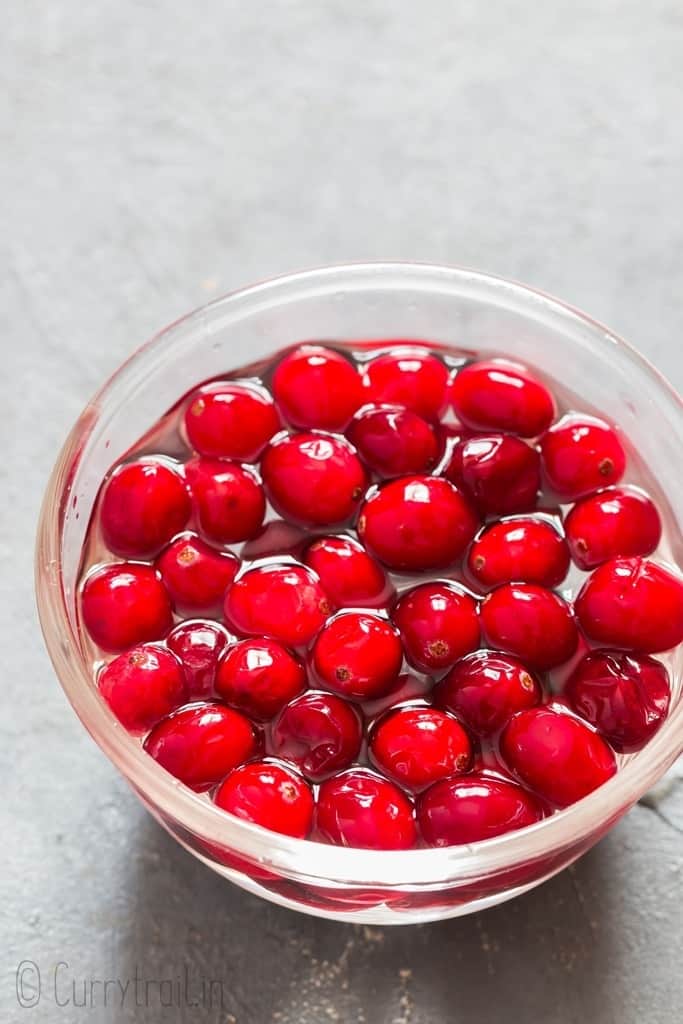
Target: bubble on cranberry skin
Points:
(357, 655)
(520, 549)
(125, 603)
(317, 388)
(394, 441)
(349, 575)
(500, 474)
(231, 420)
(144, 503)
(142, 685)
(409, 376)
(485, 689)
(581, 454)
(283, 601)
(196, 575)
(416, 746)
(615, 523)
(269, 794)
(320, 732)
(472, 808)
(228, 499)
(359, 808)
(197, 643)
(259, 676)
(501, 395)
(438, 624)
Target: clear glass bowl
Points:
(447, 305)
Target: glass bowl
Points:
(447, 305)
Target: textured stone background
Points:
(155, 154)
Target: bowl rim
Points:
(304, 858)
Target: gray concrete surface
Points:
(155, 154)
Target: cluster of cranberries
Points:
(295, 671)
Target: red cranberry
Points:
(417, 523)
(314, 478)
(350, 577)
(632, 603)
(259, 677)
(394, 441)
(231, 420)
(438, 623)
(625, 696)
(124, 603)
(285, 602)
(144, 504)
(271, 795)
(201, 743)
(358, 656)
(417, 746)
(319, 732)
(196, 575)
(530, 622)
(556, 755)
(581, 454)
(142, 685)
(500, 474)
(521, 549)
(317, 388)
(408, 376)
(485, 689)
(276, 538)
(467, 810)
(616, 523)
(198, 645)
(500, 395)
(361, 809)
(228, 499)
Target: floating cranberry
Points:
(320, 732)
(285, 602)
(198, 645)
(625, 696)
(124, 603)
(408, 376)
(500, 474)
(317, 388)
(556, 755)
(416, 746)
(358, 656)
(231, 420)
(196, 575)
(144, 504)
(142, 685)
(259, 677)
(581, 454)
(359, 808)
(467, 810)
(417, 523)
(271, 795)
(501, 395)
(394, 441)
(201, 743)
(520, 549)
(314, 478)
(228, 499)
(438, 623)
(350, 576)
(485, 689)
(530, 622)
(618, 522)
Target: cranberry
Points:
(408, 376)
(358, 656)
(632, 603)
(350, 576)
(144, 503)
(276, 538)
(521, 549)
(196, 575)
(198, 645)
(259, 677)
(467, 810)
(314, 478)
(500, 474)
(394, 441)
(319, 732)
(614, 523)
(124, 603)
(438, 624)
(359, 808)
(228, 499)
(501, 395)
(285, 602)
(231, 420)
(625, 696)
(317, 388)
(581, 454)
(417, 746)
(485, 689)
(142, 685)
(271, 795)
(558, 756)
(530, 622)
(417, 523)
(201, 743)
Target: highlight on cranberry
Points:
(383, 595)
